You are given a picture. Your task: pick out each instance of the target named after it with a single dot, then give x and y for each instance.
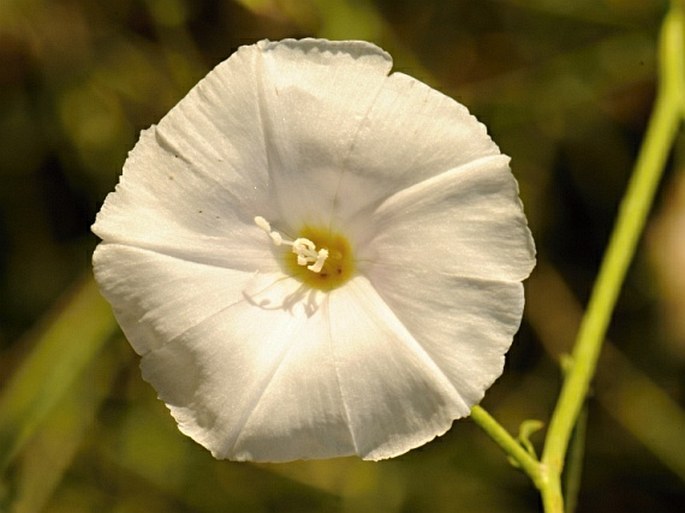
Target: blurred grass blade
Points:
(574, 462)
(67, 344)
(43, 462)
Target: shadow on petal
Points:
(284, 294)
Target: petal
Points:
(314, 96)
(414, 132)
(466, 325)
(467, 222)
(185, 217)
(157, 297)
(396, 397)
(411, 133)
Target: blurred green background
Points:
(565, 88)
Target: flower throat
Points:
(319, 258)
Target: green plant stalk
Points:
(550, 490)
(527, 462)
(661, 132)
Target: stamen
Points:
(320, 259)
(264, 225)
(306, 252)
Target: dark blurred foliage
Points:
(565, 88)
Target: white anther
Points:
(263, 224)
(306, 252)
(304, 246)
(320, 259)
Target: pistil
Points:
(304, 249)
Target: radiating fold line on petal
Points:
(402, 267)
(471, 345)
(257, 395)
(412, 133)
(213, 316)
(344, 165)
(343, 399)
(267, 130)
(412, 342)
(432, 187)
(196, 325)
(309, 129)
(262, 78)
(391, 378)
(251, 260)
(164, 301)
(467, 221)
(390, 209)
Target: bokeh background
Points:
(565, 88)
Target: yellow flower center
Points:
(319, 258)
(337, 267)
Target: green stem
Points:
(508, 444)
(661, 132)
(552, 499)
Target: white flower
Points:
(315, 258)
